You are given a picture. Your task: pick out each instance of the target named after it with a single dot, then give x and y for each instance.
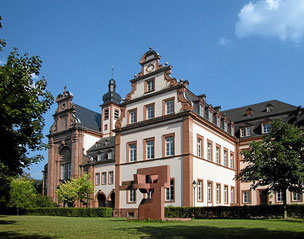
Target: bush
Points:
(237, 212)
(70, 212)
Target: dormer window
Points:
(218, 121)
(268, 108)
(249, 112)
(150, 85)
(106, 114)
(225, 126)
(99, 157)
(266, 128)
(246, 131)
(201, 110)
(210, 115)
(232, 130)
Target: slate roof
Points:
(102, 144)
(259, 111)
(88, 118)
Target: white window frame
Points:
(132, 152)
(218, 193)
(225, 194)
(209, 148)
(150, 149)
(132, 196)
(169, 106)
(209, 192)
(111, 177)
(199, 147)
(266, 128)
(133, 116)
(232, 195)
(169, 144)
(217, 154)
(150, 85)
(246, 197)
(170, 191)
(296, 196)
(150, 112)
(225, 158)
(199, 190)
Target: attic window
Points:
(268, 108)
(249, 112)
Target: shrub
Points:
(70, 212)
(239, 212)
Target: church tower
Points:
(110, 110)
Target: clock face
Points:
(150, 68)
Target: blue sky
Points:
(237, 52)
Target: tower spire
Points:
(112, 72)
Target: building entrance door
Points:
(263, 197)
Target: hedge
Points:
(237, 212)
(70, 212)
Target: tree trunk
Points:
(285, 205)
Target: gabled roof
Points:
(88, 118)
(259, 110)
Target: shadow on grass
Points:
(206, 232)
(14, 235)
(6, 222)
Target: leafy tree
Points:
(76, 189)
(22, 105)
(22, 193)
(277, 161)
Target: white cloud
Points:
(224, 41)
(34, 76)
(283, 19)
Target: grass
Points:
(45, 227)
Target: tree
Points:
(76, 189)
(277, 161)
(22, 105)
(22, 193)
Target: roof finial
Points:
(150, 48)
(64, 89)
(112, 72)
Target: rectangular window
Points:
(170, 191)
(104, 178)
(169, 142)
(280, 196)
(199, 147)
(226, 194)
(132, 152)
(169, 106)
(199, 190)
(133, 116)
(150, 149)
(266, 128)
(218, 154)
(209, 191)
(209, 115)
(248, 131)
(99, 157)
(209, 150)
(150, 112)
(106, 114)
(246, 197)
(231, 160)
(225, 157)
(132, 196)
(218, 193)
(111, 177)
(69, 170)
(296, 196)
(200, 110)
(116, 114)
(232, 130)
(97, 178)
(63, 171)
(243, 132)
(218, 121)
(232, 195)
(225, 126)
(150, 85)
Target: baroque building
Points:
(160, 122)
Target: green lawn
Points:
(43, 227)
